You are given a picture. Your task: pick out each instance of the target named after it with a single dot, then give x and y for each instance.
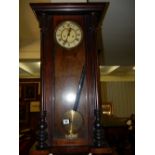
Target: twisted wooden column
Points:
(99, 136)
(42, 133)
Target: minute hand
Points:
(79, 89)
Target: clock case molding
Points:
(90, 15)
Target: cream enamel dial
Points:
(68, 34)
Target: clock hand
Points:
(79, 89)
(68, 34)
(69, 31)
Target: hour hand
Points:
(67, 35)
(69, 31)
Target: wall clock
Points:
(70, 75)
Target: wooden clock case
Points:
(55, 61)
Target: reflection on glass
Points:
(69, 97)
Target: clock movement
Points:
(70, 76)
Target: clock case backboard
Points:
(59, 65)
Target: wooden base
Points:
(39, 152)
(101, 151)
(71, 151)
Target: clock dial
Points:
(68, 34)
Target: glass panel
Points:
(68, 71)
